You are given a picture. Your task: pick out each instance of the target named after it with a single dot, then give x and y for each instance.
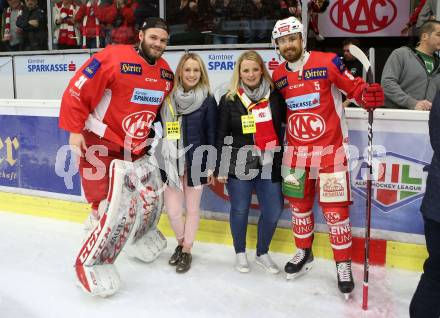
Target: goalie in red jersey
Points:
(109, 107)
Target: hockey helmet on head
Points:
(287, 26)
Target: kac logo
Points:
(306, 126)
(363, 16)
(397, 181)
(138, 125)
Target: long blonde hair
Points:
(204, 80)
(235, 81)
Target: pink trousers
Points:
(176, 201)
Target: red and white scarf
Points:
(97, 29)
(265, 137)
(8, 20)
(66, 34)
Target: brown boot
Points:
(176, 256)
(184, 263)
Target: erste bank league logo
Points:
(398, 180)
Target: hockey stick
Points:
(357, 53)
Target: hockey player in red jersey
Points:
(108, 108)
(316, 135)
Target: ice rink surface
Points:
(37, 280)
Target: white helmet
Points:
(287, 26)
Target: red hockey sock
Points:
(339, 232)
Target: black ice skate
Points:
(299, 264)
(345, 278)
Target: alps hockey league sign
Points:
(398, 180)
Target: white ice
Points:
(37, 280)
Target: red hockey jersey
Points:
(316, 129)
(116, 94)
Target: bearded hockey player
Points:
(316, 136)
(108, 108)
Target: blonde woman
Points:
(252, 112)
(189, 119)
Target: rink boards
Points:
(35, 160)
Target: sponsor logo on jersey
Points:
(305, 126)
(281, 83)
(397, 181)
(138, 125)
(131, 68)
(147, 97)
(337, 61)
(166, 75)
(92, 68)
(41, 66)
(333, 188)
(315, 73)
(307, 101)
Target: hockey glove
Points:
(372, 96)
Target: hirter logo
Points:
(306, 126)
(397, 180)
(138, 125)
(363, 16)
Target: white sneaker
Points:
(267, 263)
(241, 263)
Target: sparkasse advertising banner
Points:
(362, 18)
(45, 76)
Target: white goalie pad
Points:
(132, 185)
(146, 242)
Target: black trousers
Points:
(426, 299)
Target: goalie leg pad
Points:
(104, 243)
(99, 280)
(148, 247)
(146, 242)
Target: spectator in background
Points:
(425, 302)
(411, 77)
(123, 27)
(34, 25)
(352, 64)
(227, 18)
(290, 8)
(145, 9)
(191, 15)
(257, 18)
(414, 17)
(428, 12)
(66, 34)
(11, 35)
(95, 16)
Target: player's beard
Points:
(149, 53)
(292, 54)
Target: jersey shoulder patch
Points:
(281, 83)
(91, 69)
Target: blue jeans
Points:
(270, 199)
(426, 300)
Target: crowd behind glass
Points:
(98, 23)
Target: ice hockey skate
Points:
(299, 264)
(345, 278)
